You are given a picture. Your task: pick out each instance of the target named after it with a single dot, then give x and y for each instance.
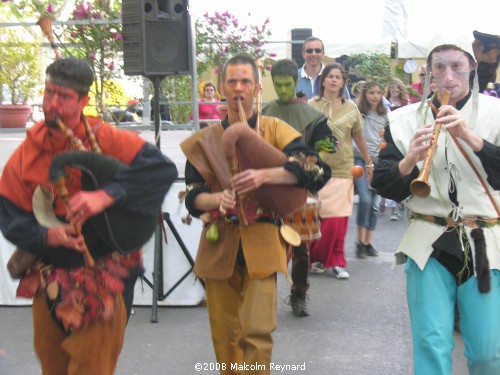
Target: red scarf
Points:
(29, 164)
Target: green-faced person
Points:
(294, 109)
(285, 87)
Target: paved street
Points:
(358, 326)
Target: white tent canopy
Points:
(408, 49)
(336, 49)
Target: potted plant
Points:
(19, 74)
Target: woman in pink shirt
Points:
(208, 105)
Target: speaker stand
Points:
(158, 255)
(157, 285)
(156, 107)
(158, 281)
(158, 293)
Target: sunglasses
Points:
(311, 50)
(422, 75)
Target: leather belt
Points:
(472, 221)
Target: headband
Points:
(77, 86)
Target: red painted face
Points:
(64, 103)
(240, 84)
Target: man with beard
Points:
(80, 309)
(240, 266)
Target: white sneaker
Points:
(317, 267)
(340, 273)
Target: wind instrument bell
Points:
(45, 24)
(420, 186)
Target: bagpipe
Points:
(244, 148)
(121, 230)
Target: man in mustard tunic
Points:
(240, 267)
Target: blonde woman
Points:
(397, 94)
(356, 90)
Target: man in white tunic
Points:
(452, 245)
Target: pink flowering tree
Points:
(100, 43)
(220, 36)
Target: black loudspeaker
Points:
(299, 35)
(156, 37)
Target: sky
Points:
(354, 21)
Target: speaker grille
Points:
(167, 47)
(156, 37)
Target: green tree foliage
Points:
(371, 66)
(19, 72)
(178, 89)
(100, 44)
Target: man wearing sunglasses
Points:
(419, 85)
(313, 52)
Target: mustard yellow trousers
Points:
(242, 315)
(90, 350)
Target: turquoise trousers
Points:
(431, 295)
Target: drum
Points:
(306, 220)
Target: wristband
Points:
(370, 165)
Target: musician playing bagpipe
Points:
(87, 242)
(246, 188)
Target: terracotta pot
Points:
(14, 115)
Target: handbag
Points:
(19, 262)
